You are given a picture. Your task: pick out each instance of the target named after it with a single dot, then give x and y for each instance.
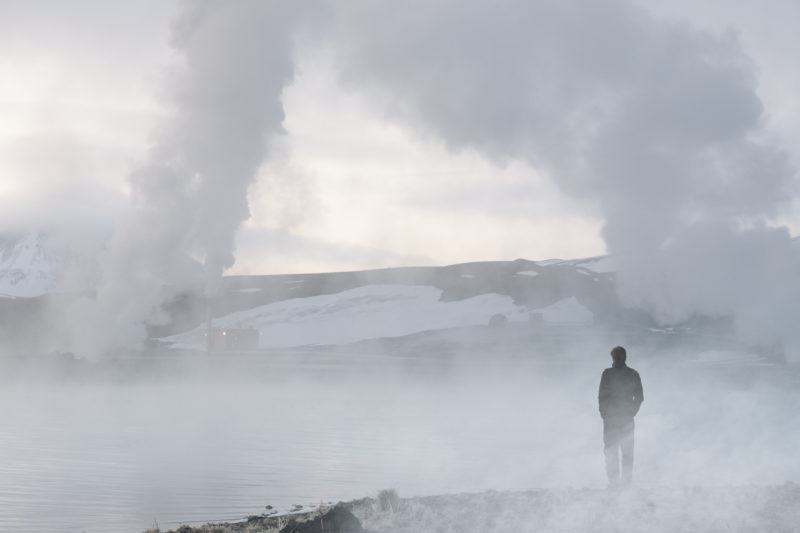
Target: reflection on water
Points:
(95, 456)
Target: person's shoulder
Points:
(633, 371)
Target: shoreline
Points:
(774, 508)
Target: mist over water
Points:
(195, 438)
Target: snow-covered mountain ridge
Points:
(30, 265)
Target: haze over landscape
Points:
(432, 220)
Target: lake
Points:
(198, 439)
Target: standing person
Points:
(619, 397)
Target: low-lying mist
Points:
(197, 437)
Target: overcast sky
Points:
(367, 173)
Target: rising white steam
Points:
(190, 194)
(654, 123)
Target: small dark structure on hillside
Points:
(231, 339)
(498, 320)
(536, 319)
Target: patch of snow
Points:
(38, 262)
(548, 262)
(468, 276)
(249, 289)
(601, 265)
(29, 266)
(568, 311)
(527, 273)
(372, 311)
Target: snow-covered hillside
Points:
(376, 311)
(323, 308)
(44, 261)
(29, 266)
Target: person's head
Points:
(618, 354)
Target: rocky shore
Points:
(689, 509)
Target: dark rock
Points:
(498, 320)
(336, 520)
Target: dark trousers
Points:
(618, 439)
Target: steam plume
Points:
(190, 195)
(656, 124)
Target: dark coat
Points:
(620, 393)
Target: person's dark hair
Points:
(618, 354)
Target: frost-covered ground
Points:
(672, 510)
(646, 509)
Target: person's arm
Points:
(602, 394)
(638, 394)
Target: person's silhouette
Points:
(620, 396)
